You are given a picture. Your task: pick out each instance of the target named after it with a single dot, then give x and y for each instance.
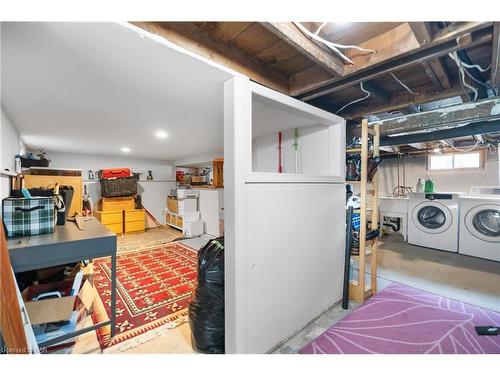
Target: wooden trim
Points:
(189, 36)
(288, 32)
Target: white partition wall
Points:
(284, 231)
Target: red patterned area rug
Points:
(154, 288)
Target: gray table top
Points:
(66, 244)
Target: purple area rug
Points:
(404, 320)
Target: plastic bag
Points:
(206, 310)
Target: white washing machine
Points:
(480, 223)
(433, 220)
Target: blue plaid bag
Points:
(28, 217)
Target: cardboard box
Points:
(57, 309)
(45, 314)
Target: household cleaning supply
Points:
(429, 185)
(420, 186)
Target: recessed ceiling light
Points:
(161, 134)
(125, 149)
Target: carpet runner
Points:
(403, 320)
(154, 288)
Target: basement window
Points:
(456, 161)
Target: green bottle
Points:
(429, 185)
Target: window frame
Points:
(481, 167)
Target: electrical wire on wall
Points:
(460, 65)
(335, 47)
(465, 149)
(492, 149)
(357, 100)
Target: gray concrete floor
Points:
(472, 280)
(197, 242)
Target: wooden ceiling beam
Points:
(495, 56)
(189, 36)
(466, 34)
(377, 91)
(434, 68)
(288, 32)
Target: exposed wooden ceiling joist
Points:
(390, 44)
(194, 39)
(434, 68)
(377, 91)
(295, 38)
(468, 35)
(437, 72)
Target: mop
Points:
(280, 148)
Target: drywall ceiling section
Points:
(97, 87)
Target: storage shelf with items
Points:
(182, 209)
(361, 288)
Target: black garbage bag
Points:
(206, 310)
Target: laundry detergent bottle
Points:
(420, 186)
(429, 185)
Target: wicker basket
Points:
(119, 187)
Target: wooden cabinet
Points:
(36, 181)
(134, 220)
(118, 204)
(218, 173)
(113, 220)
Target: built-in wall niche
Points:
(287, 140)
(199, 175)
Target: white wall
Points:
(443, 181)
(153, 193)
(312, 151)
(284, 235)
(10, 145)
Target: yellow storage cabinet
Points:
(134, 220)
(113, 220)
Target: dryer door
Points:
(432, 217)
(483, 222)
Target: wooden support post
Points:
(375, 212)
(364, 183)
